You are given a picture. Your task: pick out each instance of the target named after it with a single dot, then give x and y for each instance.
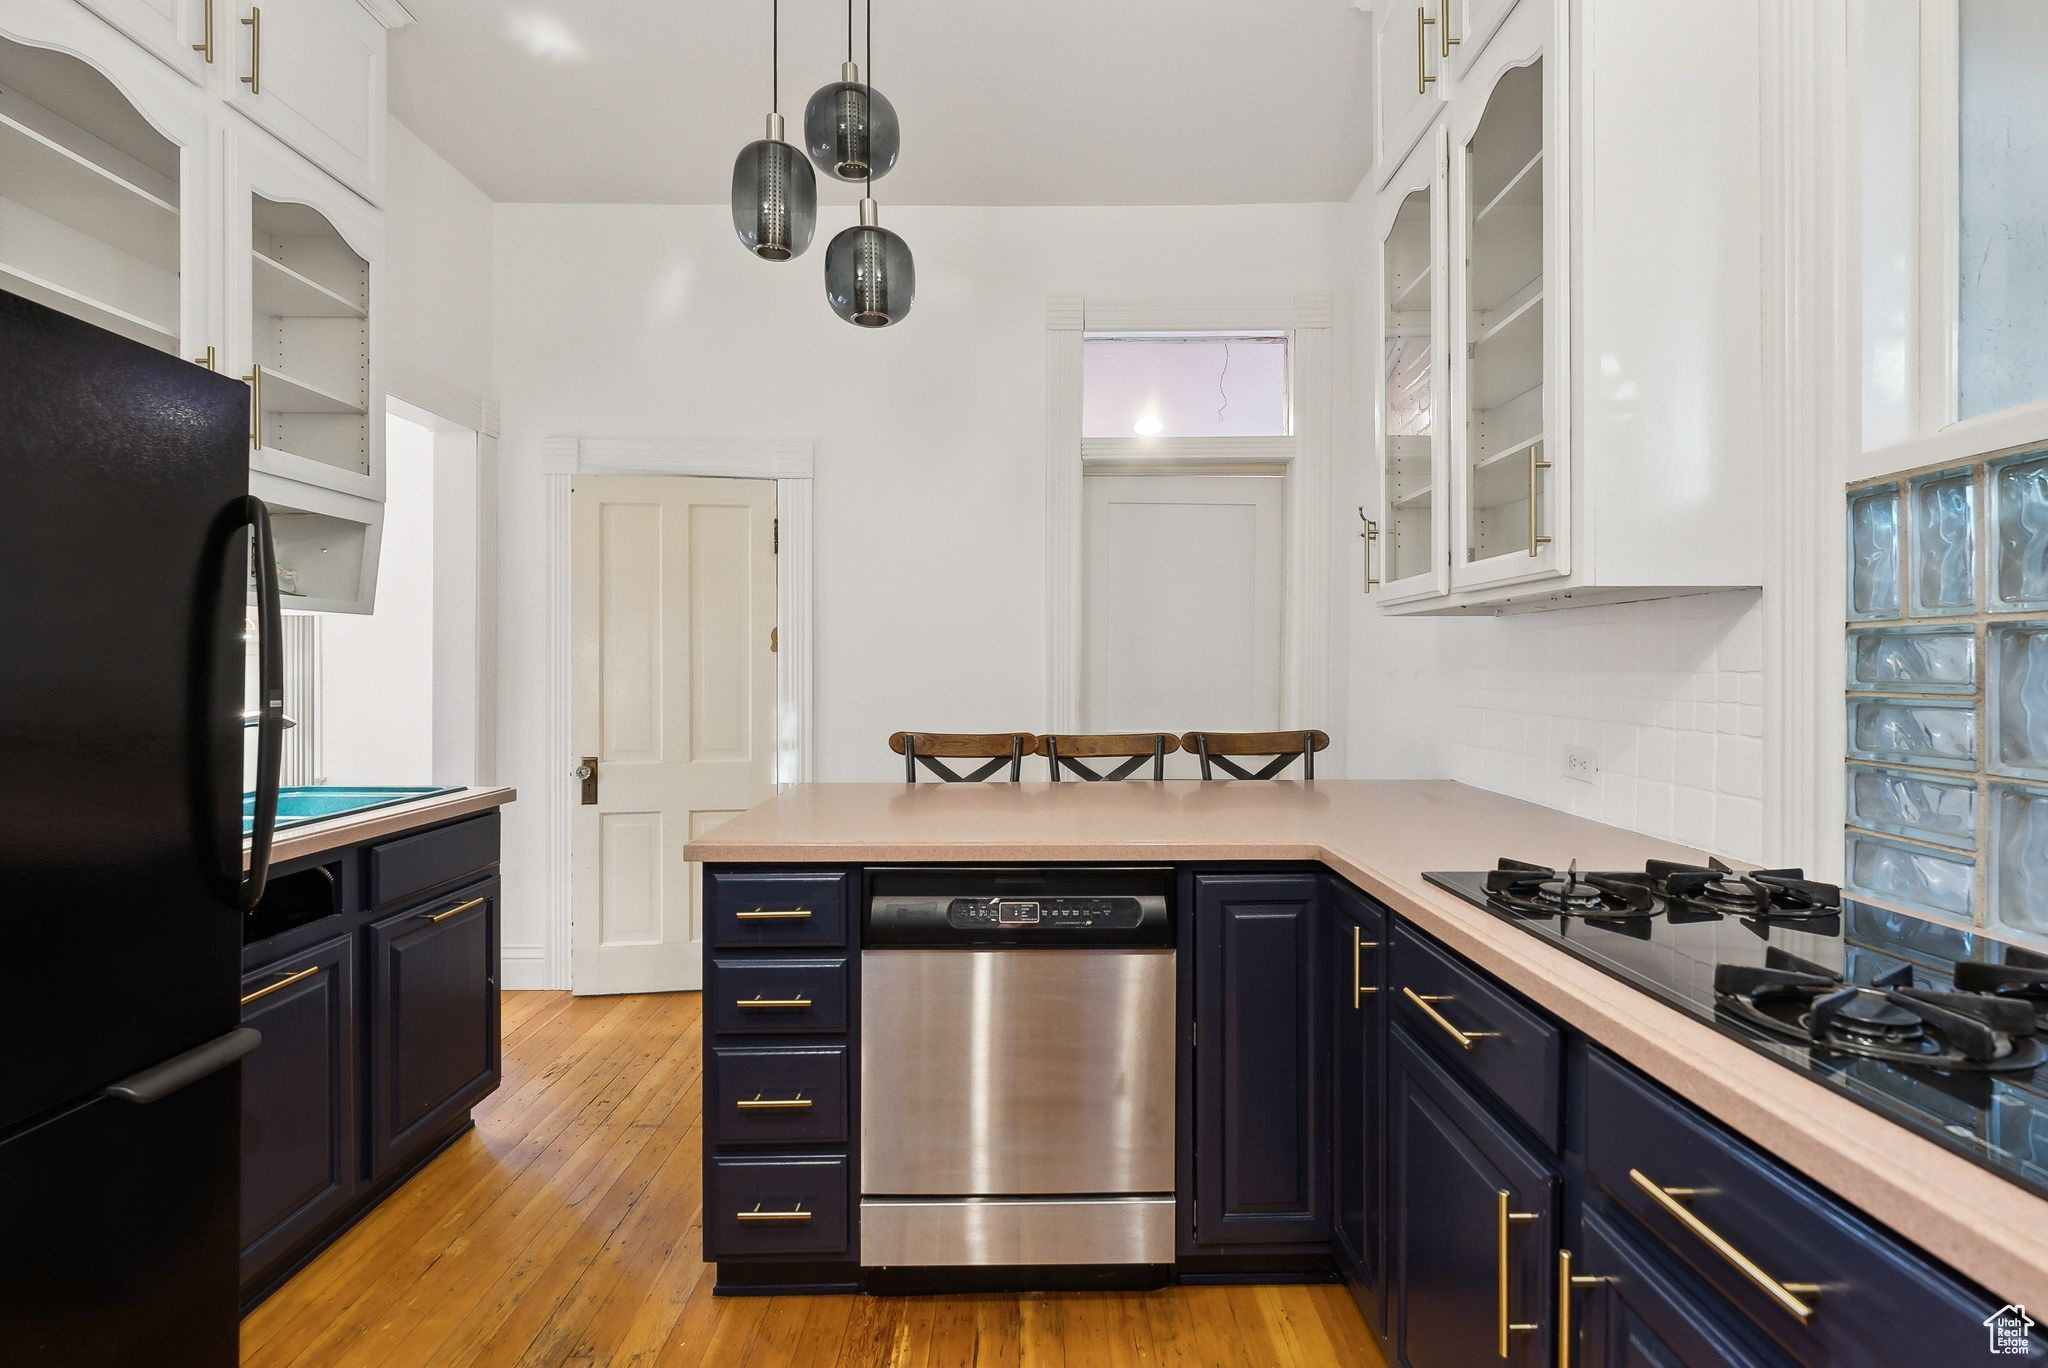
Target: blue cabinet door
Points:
(1636, 1313)
(1475, 1233)
(1261, 1061)
(1355, 958)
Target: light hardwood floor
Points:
(566, 1230)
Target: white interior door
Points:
(1183, 603)
(673, 694)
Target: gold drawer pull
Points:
(1358, 948)
(1503, 1219)
(459, 907)
(287, 981)
(757, 1103)
(1786, 1295)
(758, 1001)
(1567, 1282)
(1466, 1039)
(774, 914)
(254, 23)
(796, 1214)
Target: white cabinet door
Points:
(1408, 94)
(1509, 335)
(1469, 26)
(312, 72)
(1408, 547)
(303, 259)
(175, 30)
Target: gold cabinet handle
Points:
(254, 23)
(1788, 1296)
(254, 380)
(758, 1001)
(1503, 1219)
(1443, 8)
(1536, 464)
(774, 914)
(1466, 1039)
(280, 985)
(1567, 1282)
(759, 1103)
(207, 46)
(211, 360)
(1422, 76)
(796, 1214)
(1368, 534)
(459, 907)
(1359, 945)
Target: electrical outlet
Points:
(1580, 764)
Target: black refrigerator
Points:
(125, 551)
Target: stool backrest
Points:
(1217, 749)
(931, 749)
(1135, 748)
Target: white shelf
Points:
(1417, 498)
(1516, 312)
(115, 320)
(1503, 477)
(282, 292)
(66, 186)
(1523, 190)
(1508, 356)
(1407, 292)
(284, 393)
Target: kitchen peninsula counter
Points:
(1381, 836)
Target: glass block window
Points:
(1945, 678)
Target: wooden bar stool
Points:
(1218, 747)
(1069, 751)
(998, 748)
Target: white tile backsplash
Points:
(1668, 694)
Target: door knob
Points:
(587, 774)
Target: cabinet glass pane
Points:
(1874, 553)
(2002, 175)
(1409, 289)
(1940, 732)
(1913, 660)
(2018, 696)
(1919, 805)
(1944, 509)
(1503, 306)
(2019, 858)
(2019, 532)
(1924, 880)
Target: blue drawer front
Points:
(777, 907)
(1521, 1062)
(776, 1207)
(1879, 1301)
(778, 1094)
(780, 995)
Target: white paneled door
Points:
(673, 698)
(1184, 602)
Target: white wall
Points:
(651, 321)
(436, 328)
(376, 701)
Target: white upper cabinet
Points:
(1465, 27)
(175, 30)
(1405, 546)
(312, 72)
(106, 191)
(1407, 64)
(1597, 413)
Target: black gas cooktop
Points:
(1941, 1029)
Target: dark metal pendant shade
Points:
(870, 278)
(774, 197)
(850, 129)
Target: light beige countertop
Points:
(1381, 836)
(353, 828)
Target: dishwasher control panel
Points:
(1066, 905)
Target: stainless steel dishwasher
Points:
(1017, 1067)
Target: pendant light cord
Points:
(775, 55)
(867, 85)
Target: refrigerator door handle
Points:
(270, 720)
(159, 1081)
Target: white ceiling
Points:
(1024, 102)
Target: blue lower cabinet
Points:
(777, 1207)
(1261, 1062)
(1475, 1227)
(764, 995)
(1355, 955)
(1626, 1308)
(777, 1094)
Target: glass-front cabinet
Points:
(1409, 384)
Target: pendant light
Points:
(849, 126)
(774, 194)
(870, 278)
